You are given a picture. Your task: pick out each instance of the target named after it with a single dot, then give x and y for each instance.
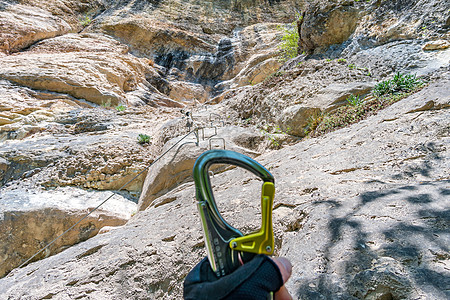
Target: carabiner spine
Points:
(218, 234)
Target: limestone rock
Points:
(175, 168)
(76, 13)
(299, 91)
(31, 219)
(326, 26)
(339, 216)
(341, 199)
(336, 94)
(28, 111)
(295, 118)
(386, 22)
(387, 278)
(83, 42)
(190, 54)
(400, 56)
(83, 75)
(436, 45)
(95, 149)
(4, 164)
(24, 25)
(187, 92)
(93, 67)
(255, 52)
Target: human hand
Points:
(255, 279)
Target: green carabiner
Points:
(226, 246)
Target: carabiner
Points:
(226, 246)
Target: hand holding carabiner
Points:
(235, 270)
(226, 246)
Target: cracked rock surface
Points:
(362, 218)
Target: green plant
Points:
(247, 121)
(121, 107)
(275, 142)
(312, 122)
(406, 83)
(354, 100)
(106, 104)
(342, 60)
(143, 139)
(274, 135)
(289, 41)
(399, 83)
(387, 92)
(85, 21)
(352, 66)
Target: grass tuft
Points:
(143, 139)
(354, 100)
(400, 83)
(385, 93)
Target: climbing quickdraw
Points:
(226, 246)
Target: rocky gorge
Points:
(362, 212)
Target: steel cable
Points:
(104, 201)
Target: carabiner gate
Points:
(226, 246)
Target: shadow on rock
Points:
(389, 244)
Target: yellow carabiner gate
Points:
(226, 246)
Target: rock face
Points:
(73, 72)
(184, 50)
(357, 25)
(339, 217)
(23, 25)
(28, 221)
(95, 148)
(329, 25)
(361, 212)
(176, 167)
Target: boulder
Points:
(295, 118)
(436, 45)
(327, 25)
(30, 219)
(336, 94)
(187, 92)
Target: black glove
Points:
(255, 280)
